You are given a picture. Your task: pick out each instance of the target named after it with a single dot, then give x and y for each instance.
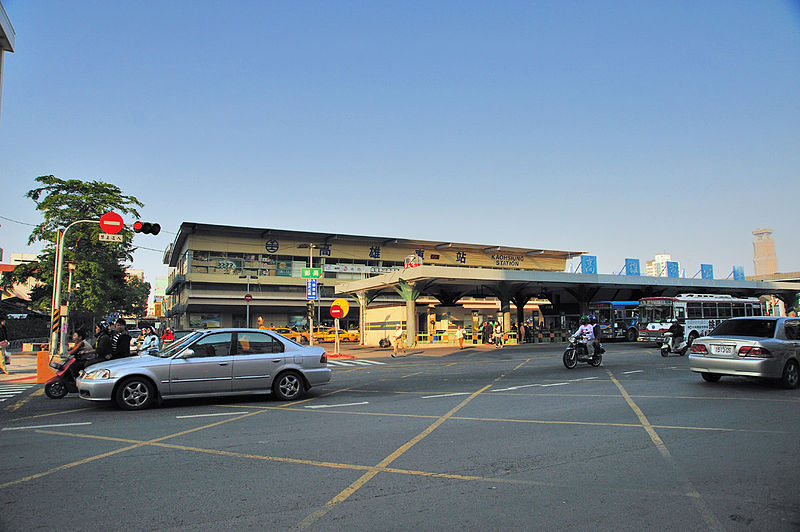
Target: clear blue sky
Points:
(623, 129)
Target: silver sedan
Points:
(211, 362)
(767, 347)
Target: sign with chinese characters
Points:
(632, 267)
(312, 273)
(311, 290)
(105, 237)
(738, 273)
(589, 264)
(707, 271)
(672, 269)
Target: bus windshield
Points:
(651, 314)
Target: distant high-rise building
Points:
(658, 266)
(765, 261)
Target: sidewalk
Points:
(21, 369)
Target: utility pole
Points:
(311, 313)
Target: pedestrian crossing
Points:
(7, 391)
(354, 362)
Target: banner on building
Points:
(632, 267)
(673, 270)
(707, 271)
(589, 264)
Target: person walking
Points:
(460, 337)
(497, 336)
(5, 358)
(397, 341)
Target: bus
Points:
(617, 319)
(698, 313)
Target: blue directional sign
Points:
(672, 269)
(738, 273)
(632, 267)
(589, 264)
(707, 271)
(311, 290)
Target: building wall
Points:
(765, 260)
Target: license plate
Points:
(722, 349)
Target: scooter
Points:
(64, 380)
(668, 346)
(578, 351)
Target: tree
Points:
(99, 283)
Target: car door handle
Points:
(277, 360)
(223, 363)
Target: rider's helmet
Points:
(592, 319)
(676, 320)
(103, 326)
(584, 320)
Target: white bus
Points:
(698, 313)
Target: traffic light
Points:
(146, 227)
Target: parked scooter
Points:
(64, 380)
(670, 347)
(578, 351)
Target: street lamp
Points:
(247, 296)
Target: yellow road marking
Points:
(705, 512)
(54, 413)
(522, 364)
(12, 408)
(366, 477)
(411, 374)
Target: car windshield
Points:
(755, 328)
(177, 346)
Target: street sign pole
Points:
(311, 313)
(336, 324)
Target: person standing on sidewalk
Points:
(5, 358)
(397, 341)
(460, 337)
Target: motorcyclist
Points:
(677, 333)
(149, 344)
(120, 340)
(585, 332)
(597, 332)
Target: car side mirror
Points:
(187, 353)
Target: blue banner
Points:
(672, 269)
(738, 273)
(707, 271)
(311, 289)
(589, 264)
(632, 267)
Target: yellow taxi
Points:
(344, 336)
(288, 333)
(319, 334)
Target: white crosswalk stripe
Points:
(7, 391)
(353, 362)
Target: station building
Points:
(212, 267)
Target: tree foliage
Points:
(99, 283)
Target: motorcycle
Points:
(669, 347)
(64, 380)
(578, 351)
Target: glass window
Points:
(724, 310)
(738, 310)
(213, 345)
(257, 343)
(792, 329)
(693, 310)
(756, 328)
(709, 310)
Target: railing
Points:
(16, 345)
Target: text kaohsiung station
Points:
(214, 266)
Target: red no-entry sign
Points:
(337, 311)
(248, 297)
(111, 223)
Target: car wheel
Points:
(135, 393)
(55, 390)
(288, 386)
(631, 335)
(710, 377)
(791, 375)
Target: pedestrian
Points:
(460, 337)
(397, 341)
(5, 358)
(521, 333)
(149, 344)
(497, 336)
(486, 331)
(120, 340)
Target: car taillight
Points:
(324, 358)
(757, 352)
(699, 349)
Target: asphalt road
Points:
(472, 439)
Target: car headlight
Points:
(98, 374)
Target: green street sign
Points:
(312, 273)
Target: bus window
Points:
(738, 310)
(680, 314)
(724, 310)
(693, 310)
(709, 310)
